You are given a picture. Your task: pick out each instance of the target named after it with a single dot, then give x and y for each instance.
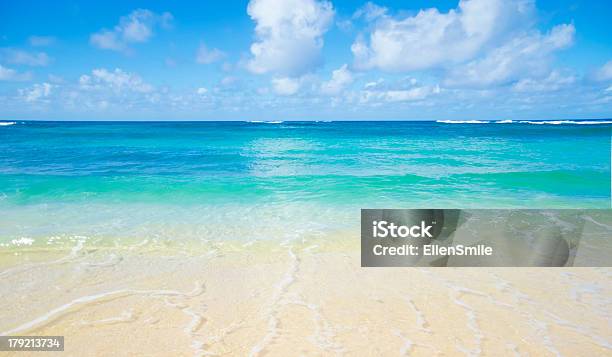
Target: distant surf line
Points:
(534, 122)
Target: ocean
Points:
(244, 237)
(271, 179)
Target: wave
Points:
(7, 123)
(535, 122)
(265, 122)
(571, 122)
(462, 121)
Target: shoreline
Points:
(279, 298)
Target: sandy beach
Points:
(307, 298)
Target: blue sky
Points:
(305, 60)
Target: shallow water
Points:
(280, 180)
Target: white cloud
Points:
(207, 56)
(344, 25)
(36, 92)
(136, 27)
(201, 91)
(523, 56)
(374, 84)
(286, 85)
(370, 11)
(412, 94)
(403, 90)
(41, 41)
(554, 81)
(289, 35)
(117, 80)
(16, 56)
(341, 78)
(108, 40)
(605, 72)
(431, 39)
(9, 74)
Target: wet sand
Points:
(307, 298)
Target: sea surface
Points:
(207, 180)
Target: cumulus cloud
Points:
(207, 56)
(41, 41)
(404, 90)
(286, 85)
(604, 73)
(554, 81)
(9, 74)
(370, 11)
(524, 55)
(37, 92)
(341, 78)
(413, 94)
(430, 38)
(201, 91)
(16, 56)
(136, 27)
(289, 35)
(117, 81)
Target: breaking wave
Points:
(462, 121)
(265, 122)
(570, 122)
(534, 122)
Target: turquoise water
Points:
(72, 176)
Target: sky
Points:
(305, 60)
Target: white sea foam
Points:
(125, 316)
(535, 122)
(265, 122)
(22, 241)
(7, 123)
(54, 313)
(422, 324)
(281, 289)
(567, 122)
(407, 345)
(463, 121)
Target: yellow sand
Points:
(296, 299)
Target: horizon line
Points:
(286, 120)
